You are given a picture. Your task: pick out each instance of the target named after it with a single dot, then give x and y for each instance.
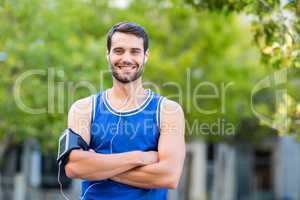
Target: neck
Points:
(129, 90)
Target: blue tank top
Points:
(117, 132)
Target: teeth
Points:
(131, 67)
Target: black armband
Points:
(68, 142)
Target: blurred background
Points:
(233, 65)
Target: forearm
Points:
(171, 153)
(157, 175)
(95, 166)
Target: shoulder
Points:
(81, 106)
(169, 106)
(171, 114)
(79, 117)
(172, 121)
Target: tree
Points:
(62, 44)
(276, 32)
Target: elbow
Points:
(172, 183)
(171, 178)
(70, 170)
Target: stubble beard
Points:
(126, 79)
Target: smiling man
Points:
(135, 136)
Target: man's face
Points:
(126, 57)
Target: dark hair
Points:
(130, 28)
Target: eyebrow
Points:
(118, 48)
(121, 48)
(137, 49)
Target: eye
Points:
(135, 51)
(118, 51)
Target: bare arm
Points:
(171, 152)
(95, 166)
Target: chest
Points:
(117, 134)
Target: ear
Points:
(107, 55)
(146, 56)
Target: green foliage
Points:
(66, 40)
(275, 26)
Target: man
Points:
(136, 135)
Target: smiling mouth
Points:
(126, 67)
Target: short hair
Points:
(130, 28)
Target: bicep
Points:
(79, 118)
(171, 146)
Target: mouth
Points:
(126, 67)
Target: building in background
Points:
(269, 170)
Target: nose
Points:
(126, 58)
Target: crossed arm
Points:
(171, 153)
(139, 169)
